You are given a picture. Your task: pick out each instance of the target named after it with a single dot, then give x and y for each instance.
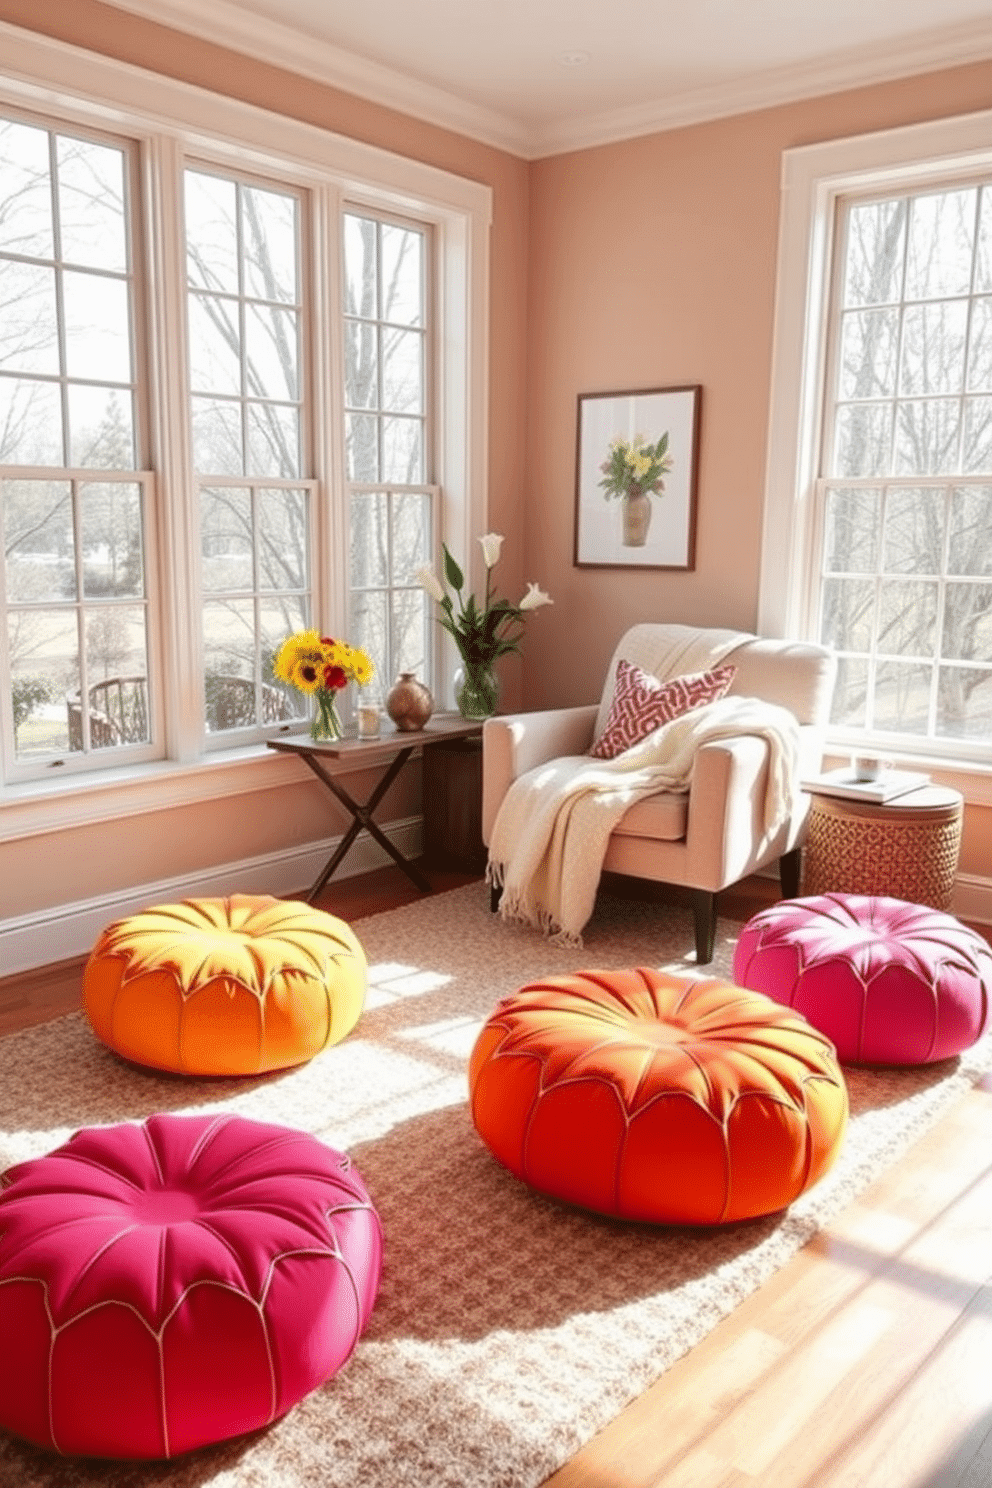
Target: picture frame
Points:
(619, 523)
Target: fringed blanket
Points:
(550, 834)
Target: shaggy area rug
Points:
(509, 1328)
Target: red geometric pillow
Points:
(641, 704)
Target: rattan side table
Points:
(905, 849)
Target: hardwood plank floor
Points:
(864, 1363)
(861, 1364)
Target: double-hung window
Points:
(76, 499)
(880, 463)
(221, 385)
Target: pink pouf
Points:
(173, 1283)
(888, 982)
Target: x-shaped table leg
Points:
(362, 817)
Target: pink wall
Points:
(644, 264)
(652, 264)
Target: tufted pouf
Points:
(652, 1097)
(174, 1283)
(888, 982)
(225, 986)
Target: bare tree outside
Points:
(386, 437)
(245, 318)
(73, 548)
(906, 596)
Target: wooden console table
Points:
(906, 848)
(391, 751)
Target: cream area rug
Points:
(509, 1328)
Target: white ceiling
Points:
(540, 76)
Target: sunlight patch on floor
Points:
(451, 1036)
(391, 981)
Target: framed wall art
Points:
(635, 478)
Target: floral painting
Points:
(635, 480)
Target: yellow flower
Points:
(299, 661)
(303, 658)
(361, 667)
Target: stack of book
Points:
(887, 786)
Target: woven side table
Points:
(905, 849)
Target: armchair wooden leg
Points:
(704, 914)
(789, 866)
(495, 895)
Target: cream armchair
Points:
(712, 835)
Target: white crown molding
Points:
(930, 52)
(228, 25)
(270, 41)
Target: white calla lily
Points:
(482, 632)
(491, 544)
(534, 598)
(428, 579)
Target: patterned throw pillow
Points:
(641, 704)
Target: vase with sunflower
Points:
(481, 632)
(321, 667)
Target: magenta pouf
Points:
(887, 982)
(177, 1282)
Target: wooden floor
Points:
(866, 1362)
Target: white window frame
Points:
(814, 178)
(174, 123)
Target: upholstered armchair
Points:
(713, 834)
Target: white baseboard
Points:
(65, 931)
(973, 898)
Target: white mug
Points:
(866, 767)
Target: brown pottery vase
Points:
(409, 703)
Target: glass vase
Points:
(476, 691)
(325, 723)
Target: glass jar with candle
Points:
(369, 714)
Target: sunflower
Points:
(361, 667)
(310, 662)
(300, 661)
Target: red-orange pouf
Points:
(231, 986)
(653, 1097)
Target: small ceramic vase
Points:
(409, 703)
(636, 519)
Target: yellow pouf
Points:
(225, 986)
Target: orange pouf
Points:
(225, 986)
(652, 1097)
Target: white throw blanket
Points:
(551, 831)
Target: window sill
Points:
(38, 807)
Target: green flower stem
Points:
(326, 723)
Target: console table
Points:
(390, 752)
